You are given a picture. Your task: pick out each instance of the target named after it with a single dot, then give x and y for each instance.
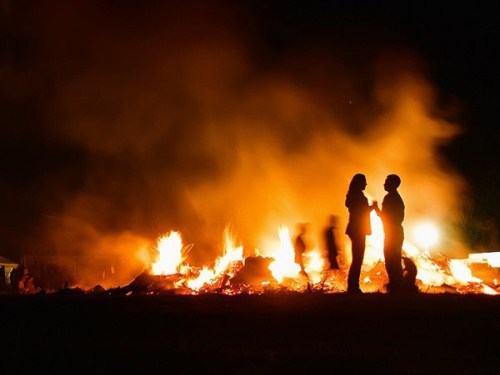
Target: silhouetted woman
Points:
(358, 228)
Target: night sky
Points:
(122, 120)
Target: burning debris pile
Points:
(234, 274)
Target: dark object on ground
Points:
(148, 283)
(71, 291)
(255, 271)
(409, 276)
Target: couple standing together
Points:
(358, 227)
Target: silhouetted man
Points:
(299, 248)
(331, 242)
(392, 215)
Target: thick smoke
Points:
(176, 117)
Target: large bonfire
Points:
(232, 273)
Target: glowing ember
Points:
(205, 277)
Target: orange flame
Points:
(432, 271)
(169, 254)
(284, 265)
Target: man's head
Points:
(392, 182)
(302, 228)
(333, 220)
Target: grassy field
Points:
(251, 334)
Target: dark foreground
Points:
(274, 333)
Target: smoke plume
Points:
(143, 120)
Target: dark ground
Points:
(251, 334)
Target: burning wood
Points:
(232, 273)
(255, 272)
